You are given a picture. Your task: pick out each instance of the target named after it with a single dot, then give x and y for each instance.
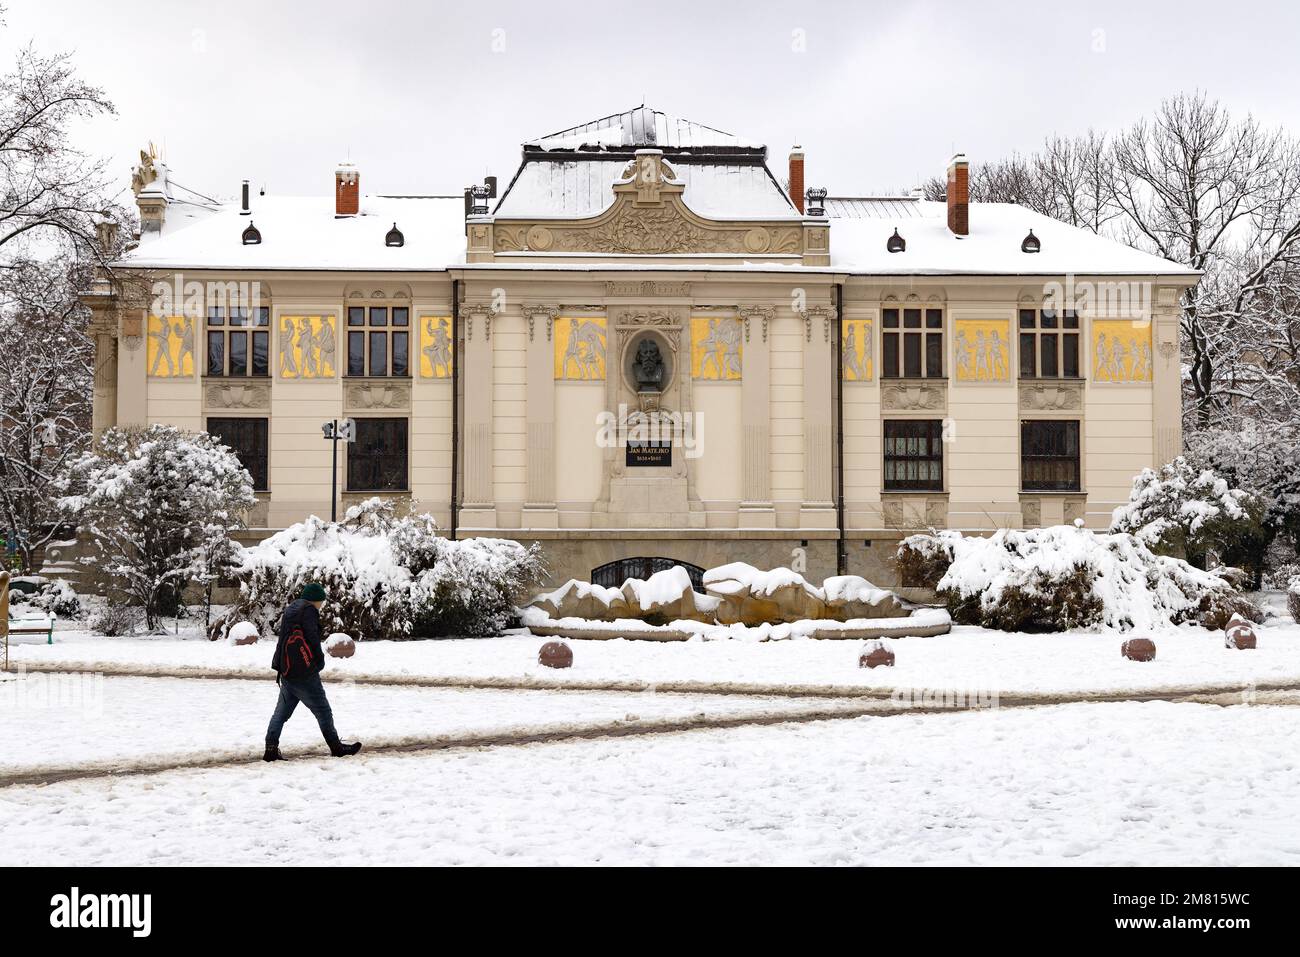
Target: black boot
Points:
(341, 750)
(272, 753)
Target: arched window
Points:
(613, 574)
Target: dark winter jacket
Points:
(303, 614)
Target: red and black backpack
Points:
(297, 660)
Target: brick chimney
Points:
(796, 177)
(959, 195)
(347, 190)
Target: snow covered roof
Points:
(640, 126)
(992, 248)
(302, 232)
(580, 187)
(872, 207)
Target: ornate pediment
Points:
(649, 218)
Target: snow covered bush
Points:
(159, 505)
(386, 577)
(1053, 579)
(1189, 512)
(115, 619)
(1293, 598)
(52, 596)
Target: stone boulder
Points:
(851, 596)
(243, 633)
(1139, 649)
(667, 596)
(753, 597)
(555, 654)
(875, 655)
(1239, 634)
(339, 645)
(577, 599)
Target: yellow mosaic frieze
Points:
(436, 347)
(716, 348)
(308, 347)
(982, 350)
(1121, 350)
(172, 341)
(580, 349)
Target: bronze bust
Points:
(648, 367)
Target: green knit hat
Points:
(312, 591)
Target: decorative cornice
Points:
(237, 394)
(909, 397)
(377, 394)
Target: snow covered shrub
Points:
(386, 577)
(115, 619)
(52, 596)
(1293, 598)
(1052, 579)
(1189, 512)
(159, 504)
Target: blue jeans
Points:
(310, 692)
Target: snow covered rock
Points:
(1239, 634)
(339, 645)
(243, 633)
(749, 596)
(851, 596)
(668, 596)
(555, 654)
(875, 655)
(578, 599)
(1139, 649)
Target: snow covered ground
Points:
(1127, 783)
(967, 659)
(115, 723)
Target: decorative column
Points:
(1166, 386)
(477, 509)
(819, 419)
(756, 509)
(539, 493)
(103, 332)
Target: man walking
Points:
(298, 662)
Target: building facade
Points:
(644, 347)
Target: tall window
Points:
(379, 340)
(1049, 344)
(1049, 456)
(377, 459)
(912, 342)
(238, 344)
(247, 439)
(914, 455)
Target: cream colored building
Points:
(834, 372)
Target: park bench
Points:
(20, 626)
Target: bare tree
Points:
(1202, 189)
(47, 187)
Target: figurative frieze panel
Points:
(1121, 350)
(308, 347)
(856, 350)
(435, 347)
(716, 348)
(982, 350)
(171, 346)
(580, 348)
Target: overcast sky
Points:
(429, 97)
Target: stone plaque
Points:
(642, 454)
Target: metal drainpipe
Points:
(841, 550)
(455, 401)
